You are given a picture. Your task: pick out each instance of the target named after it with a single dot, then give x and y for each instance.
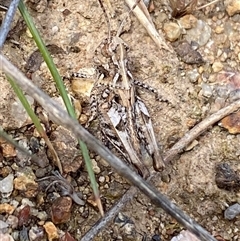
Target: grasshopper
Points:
(124, 120)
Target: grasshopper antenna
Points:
(107, 20)
(123, 21)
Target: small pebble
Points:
(219, 29)
(51, 231)
(61, 210)
(34, 211)
(3, 225)
(231, 123)
(6, 237)
(43, 216)
(206, 90)
(101, 179)
(26, 201)
(126, 224)
(19, 114)
(6, 208)
(41, 172)
(172, 31)
(67, 237)
(23, 234)
(22, 157)
(64, 143)
(156, 238)
(232, 211)
(103, 162)
(217, 67)
(6, 185)
(83, 119)
(36, 233)
(25, 182)
(193, 75)
(12, 221)
(95, 166)
(55, 29)
(185, 236)
(5, 171)
(15, 235)
(8, 150)
(191, 145)
(82, 86)
(41, 160)
(232, 6)
(201, 33)
(14, 203)
(188, 21)
(24, 215)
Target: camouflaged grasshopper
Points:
(124, 120)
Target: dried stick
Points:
(61, 117)
(148, 25)
(173, 152)
(208, 4)
(7, 21)
(3, 8)
(110, 214)
(199, 129)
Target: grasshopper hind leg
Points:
(147, 87)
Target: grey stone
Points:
(232, 211)
(6, 185)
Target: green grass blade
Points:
(47, 57)
(5, 136)
(56, 76)
(91, 176)
(35, 120)
(25, 103)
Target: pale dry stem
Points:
(144, 18)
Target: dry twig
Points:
(7, 21)
(199, 129)
(145, 20)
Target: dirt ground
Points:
(73, 30)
